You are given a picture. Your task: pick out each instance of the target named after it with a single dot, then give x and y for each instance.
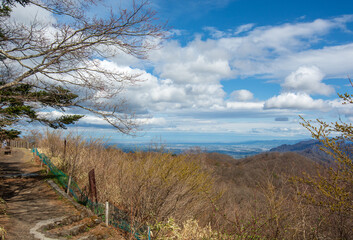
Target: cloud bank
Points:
(183, 83)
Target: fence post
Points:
(92, 186)
(107, 213)
(68, 186)
(149, 232)
(64, 150)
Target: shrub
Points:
(151, 186)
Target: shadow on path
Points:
(29, 198)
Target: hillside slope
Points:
(310, 149)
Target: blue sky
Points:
(238, 70)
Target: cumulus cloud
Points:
(198, 63)
(307, 80)
(186, 79)
(335, 60)
(242, 95)
(151, 94)
(301, 101)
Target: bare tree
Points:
(60, 62)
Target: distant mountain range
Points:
(310, 149)
(236, 150)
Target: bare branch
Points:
(69, 54)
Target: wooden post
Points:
(107, 213)
(92, 186)
(65, 150)
(68, 186)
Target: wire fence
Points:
(117, 217)
(21, 144)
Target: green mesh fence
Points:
(117, 218)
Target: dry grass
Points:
(259, 200)
(151, 186)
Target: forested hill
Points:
(310, 149)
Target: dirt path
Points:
(29, 199)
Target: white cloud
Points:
(186, 80)
(200, 62)
(335, 61)
(245, 105)
(153, 121)
(307, 80)
(244, 28)
(152, 94)
(91, 119)
(215, 33)
(242, 95)
(300, 101)
(272, 51)
(189, 77)
(31, 13)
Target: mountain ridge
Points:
(308, 148)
